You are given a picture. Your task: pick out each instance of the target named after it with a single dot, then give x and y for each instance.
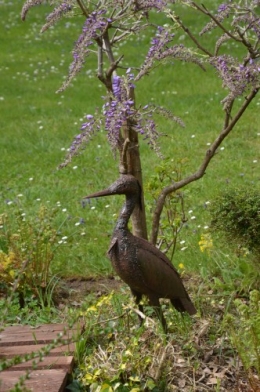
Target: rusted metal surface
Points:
(145, 269)
(51, 373)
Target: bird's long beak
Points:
(105, 192)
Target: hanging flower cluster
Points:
(238, 78)
(147, 5)
(223, 13)
(245, 19)
(107, 23)
(57, 14)
(119, 112)
(27, 5)
(89, 129)
(95, 25)
(160, 50)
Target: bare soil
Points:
(74, 290)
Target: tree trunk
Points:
(133, 164)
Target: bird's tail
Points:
(184, 305)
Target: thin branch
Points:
(202, 169)
(256, 46)
(228, 113)
(100, 73)
(114, 66)
(108, 47)
(82, 7)
(205, 11)
(192, 37)
(246, 43)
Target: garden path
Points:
(51, 372)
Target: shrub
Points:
(236, 214)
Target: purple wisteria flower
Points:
(249, 19)
(222, 7)
(160, 50)
(158, 45)
(57, 14)
(237, 77)
(89, 129)
(116, 87)
(119, 112)
(148, 5)
(93, 28)
(27, 5)
(223, 13)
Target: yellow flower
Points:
(206, 243)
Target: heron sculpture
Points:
(142, 266)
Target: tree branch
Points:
(194, 39)
(81, 6)
(100, 73)
(108, 47)
(202, 169)
(205, 11)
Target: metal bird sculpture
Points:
(143, 267)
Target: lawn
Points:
(38, 126)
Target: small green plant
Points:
(245, 332)
(236, 213)
(27, 248)
(32, 244)
(173, 217)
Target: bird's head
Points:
(125, 185)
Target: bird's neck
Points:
(126, 212)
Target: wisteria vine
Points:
(107, 24)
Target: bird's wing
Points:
(158, 273)
(113, 242)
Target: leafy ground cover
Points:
(37, 127)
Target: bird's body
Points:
(142, 266)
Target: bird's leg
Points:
(155, 303)
(138, 297)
